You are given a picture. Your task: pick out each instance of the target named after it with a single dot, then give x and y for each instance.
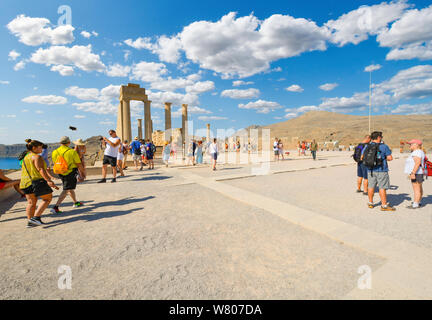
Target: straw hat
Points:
(79, 142)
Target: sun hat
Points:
(64, 140)
(79, 142)
(136, 138)
(415, 141)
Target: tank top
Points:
(26, 180)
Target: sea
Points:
(9, 163)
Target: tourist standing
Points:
(190, 154)
(135, 148)
(375, 157)
(120, 159)
(126, 153)
(414, 167)
(281, 150)
(81, 149)
(110, 155)
(6, 182)
(72, 167)
(276, 149)
(35, 183)
(213, 150)
(314, 149)
(44, 155)
(199, 153)
(194, 146)
(303, 148)
(150, 151)
(362, 170)
(166, 152)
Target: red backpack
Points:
(428, 167)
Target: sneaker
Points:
(365, 193)
(141, 169)
(387, 208)
(35, 221)
(102, 181)
(56, 210)
(78, 204)
(114, 180)
(30, 225)
(371, 205)
(359, 191)
(412, 207)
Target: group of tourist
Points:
(372, 156)
(278, 149)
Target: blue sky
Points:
(235, 63)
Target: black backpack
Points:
(358, 152)
(153, 148)
(370, 156)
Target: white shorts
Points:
(120, 156)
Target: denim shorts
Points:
(362, 171)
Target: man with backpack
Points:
(362, 171)
(150, 151)
(375, 157)
(135, 148)
(67, 164)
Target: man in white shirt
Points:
(213, 150)
(414, 167)
(110, 155)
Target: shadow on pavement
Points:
(397, 199)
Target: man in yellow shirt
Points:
(69, 179)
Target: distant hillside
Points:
(348, 129)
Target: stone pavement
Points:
(190, 233)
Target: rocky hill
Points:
(348, 129)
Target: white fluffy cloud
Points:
(117, 70)
(79, 116)
(295, 88)
(328, 86)
(410, 37)
(261, 106)
(63, 70)
(148, 71)
(373, 67)
(356, 26)
(172, 84)
(241, 94)
(200, 87)
(20, 65)
(37, 31)
(98, 107)
(211, 118)
(424, 108)
(50, 99)
(83, 93)
(81, 57)
(239, 83)
(13, 55)
(4, 82)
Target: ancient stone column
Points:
(184, 122)
(127, 126)
(151, 129)
(140, 129)
(208, 133)
(120, 117)
(147, 121)
(168, 121)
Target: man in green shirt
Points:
(314, 148)
(69, 178)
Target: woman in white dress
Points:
(166, 153)
(414, 167)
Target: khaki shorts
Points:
(380, 179)
(136, 157)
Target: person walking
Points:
(35, 183)
(126, 153)
(194, 146)
(362, 170)
(120, 159)
(110, 155)
(281, 149)
(135, 149)
(199, 153)
(213, 150)
(166, 152)
(44, 155)
(276, 149)
(72, 168)
(375, 157)
(81, 149)
(150, 152)
(314, 149)
(414, 167)
(6, 183)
